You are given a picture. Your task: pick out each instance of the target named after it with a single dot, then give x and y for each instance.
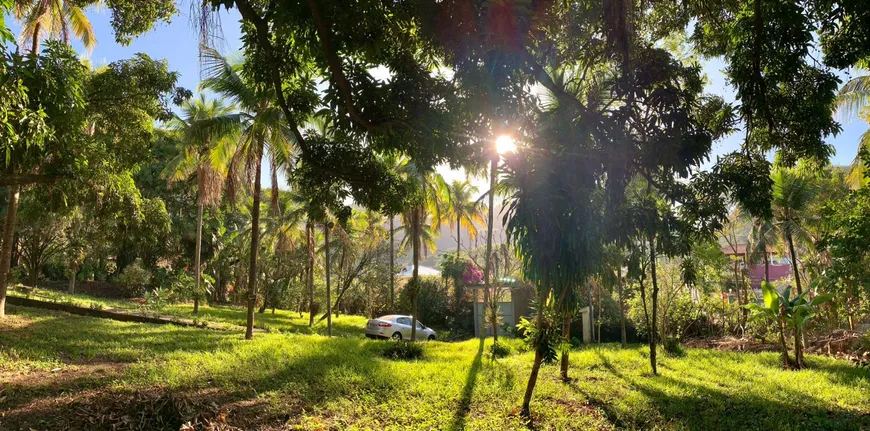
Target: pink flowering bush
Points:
(472, 275)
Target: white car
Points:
(398, 328)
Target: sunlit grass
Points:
(345, 382)
(280, 320)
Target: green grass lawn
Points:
(280, 321)
(60, 371)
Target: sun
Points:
(505, 144)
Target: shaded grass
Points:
(314, 381)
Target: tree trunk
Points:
(786, 361)
(799, 358)
(6, 247)
(255, 246)
(600, 313)
(621, 307)
(309, 235)
(566, 334)
(737, 290)
(34, 275)
(766, 266)
(745, 287)
(539, 357)
(73, 272)
(196, 264)
(655, 301)
(34, 48)
(458, 236)
(328, 292)
(798, 349)
(392, 267)
(794, 263)
(415, 279)
(223, 284)
(487, 258)
(591, 311)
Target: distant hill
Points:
(447, 241)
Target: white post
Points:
(586, 317)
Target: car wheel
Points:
(397, 336)
(431, 338)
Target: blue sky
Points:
(177, 43)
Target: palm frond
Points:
(854, 96)
(81, 27)
(180, 167)
(223, 78)
(857, 177)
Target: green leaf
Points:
(770, 295)
(821, 299)
(760, 316)
(805, 320)
(755, 307)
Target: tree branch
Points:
(334, 64)
(25, 179)
(262, 32)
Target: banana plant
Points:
(794, 312)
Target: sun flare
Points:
(505, 144)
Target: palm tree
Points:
(284, 236)
(852, 100)
(762, 238)
(199, 136)
(302, 211)
(54, 19)
(428, 233)
(397, 164)
(263, 130)
(793, 193)
(431, 206)
(465, 209)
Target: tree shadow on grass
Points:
(299, 378)
(76, 339)
(680, 403)
(468, 390)
(51, 337)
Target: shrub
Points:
(460, 318)
(155, 299)
(682, 316)
(673, 348)
(433, 302)
(472, 274)
(134, 279)
(54, 269)
(547, 338)
(499, 350)
(182, 286)
(403, 350)
(576, 342)
(19, 274)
